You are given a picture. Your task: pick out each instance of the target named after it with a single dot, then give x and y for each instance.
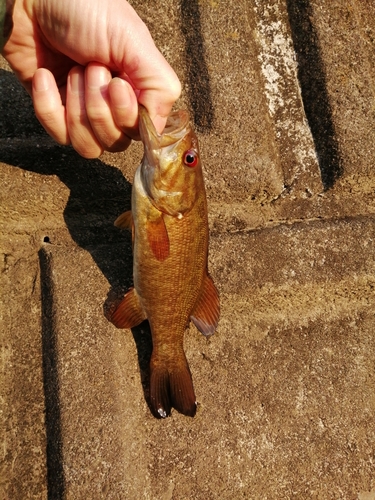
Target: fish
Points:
(170, 237)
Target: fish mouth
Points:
(175, 129)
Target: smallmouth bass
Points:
(168, 219)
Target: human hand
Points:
(87, 64)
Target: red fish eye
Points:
(191, 158)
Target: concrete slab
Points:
(287, 381)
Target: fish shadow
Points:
(99, 192)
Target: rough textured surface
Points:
(282, 94)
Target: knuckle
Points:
(97, 116)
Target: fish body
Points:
(170, 248)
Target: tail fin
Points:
(171, 387)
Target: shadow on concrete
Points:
(17, 118)
(143, 341)
(99, 193)
(198, 78)
(312, 77)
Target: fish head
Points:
(171, 170)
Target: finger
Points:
(81, 134)
(124, 107)
(98, 108)
(48, 105)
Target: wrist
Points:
(6, 21)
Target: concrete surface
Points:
(283, 96)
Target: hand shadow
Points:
(99, 193)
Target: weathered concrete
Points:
(283, 97)
(285, 388)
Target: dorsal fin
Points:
(206, 312)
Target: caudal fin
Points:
(171, 387)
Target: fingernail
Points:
(97, 77)
(76, 82)
(41, 81)
(119, 93)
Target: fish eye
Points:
(191, 158)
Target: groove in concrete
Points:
(311, 74)
(199, 88)
(55, 472)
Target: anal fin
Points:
(206, 312)
(129, 312)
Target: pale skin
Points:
(87, 64)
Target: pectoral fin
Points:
(125, 220)
(158, 239)
(206, 312)
(129, 312)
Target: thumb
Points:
(155, 83)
